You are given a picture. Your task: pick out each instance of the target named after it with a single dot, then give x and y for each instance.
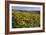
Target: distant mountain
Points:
(27, 11)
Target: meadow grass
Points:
(25, 19)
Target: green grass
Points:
(25, 19)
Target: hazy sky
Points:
(26, 8)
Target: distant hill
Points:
(27, 11)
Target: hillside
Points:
(25, 19)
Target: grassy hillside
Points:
(25, 19)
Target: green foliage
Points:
(25, 19)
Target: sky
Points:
(26, 8)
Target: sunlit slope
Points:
(25, 19)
